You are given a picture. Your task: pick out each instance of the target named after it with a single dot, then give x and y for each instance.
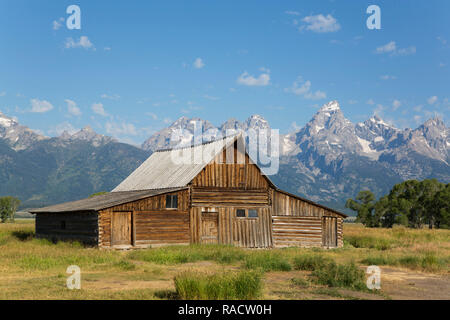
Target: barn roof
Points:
(167, 169)
(103, 201)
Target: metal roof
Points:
(103, 201)
(174, 168)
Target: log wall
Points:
(82, 227)
(287, 205)
(227, 197)
(152, 222)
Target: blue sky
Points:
(136, 66)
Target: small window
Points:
(240, 213)
(63, 225)
(171, 201)
(253, 213)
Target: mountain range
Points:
(328, 160)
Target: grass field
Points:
(36, 269)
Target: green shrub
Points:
(346, 276)
(370, 242)
(428, 261)
(267, 261)
(310, 262)
(242, 286)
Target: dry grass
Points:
(35, 269)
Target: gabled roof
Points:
(103, 201)
(166, 169)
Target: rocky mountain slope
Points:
(328, 160)
(41, 170)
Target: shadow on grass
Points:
(23, 235)
(167, 295)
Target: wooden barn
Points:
(220, 197)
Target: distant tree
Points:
(439, 208)
(364, 205)
(8, 208)
(411, 202)
(382, 213)
(98, 194)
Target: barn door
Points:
(210, 227)
(329, 232)
(121, 228)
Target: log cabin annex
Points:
(212, 202)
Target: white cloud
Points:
(406, 51)
(442, 40)
(98, 109)
(72, 108)
(198, 63)
(248, 80)
(110, 97)
(123, 128)
(441, 65)
(396, 104)
(3, 93)
(292, 13)
(40, 106)
(378, 111)
(387, 77)
(418, 108)
(83, 42)
(432, 100)
(60, 128)
(370, 102)
(57, 24)
(107, 48)
(211, 97)
(389, 47)
(301, 88)
(392, 48)
(320, 23)
(152, 115)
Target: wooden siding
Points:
(242, 232)
(155, 204)
(289, 206)
(295, 231)
(224, 197)
(161, 227)
(82, 227)
(235, 174)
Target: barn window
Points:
(240, 213)
(171, 201)
(253, 213)
(63, 225)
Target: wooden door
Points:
(210, 227)
(329, 232)
(121, 228)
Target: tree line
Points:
(411, 203)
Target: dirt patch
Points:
(402, 284)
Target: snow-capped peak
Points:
(331, 106)
(377, 120)
(6, 121)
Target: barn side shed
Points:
(214, 194)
